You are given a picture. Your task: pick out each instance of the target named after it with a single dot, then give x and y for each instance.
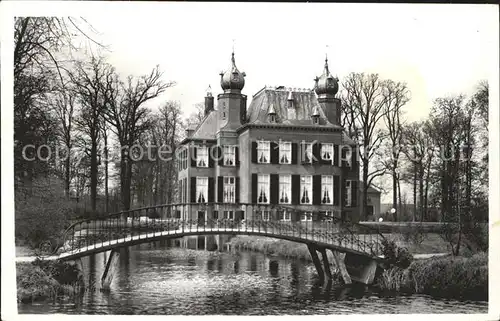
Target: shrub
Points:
(395, 255)
(62, 272)
(42, 220)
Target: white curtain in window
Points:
(263, 152)
(285, 189)
(201, 189)
(326, 151)
(202, 156)
(229, 189)
(285, 152)
(263, 189)
(306, 189)
(229, 155)
(327, 189)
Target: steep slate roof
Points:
(304, 101)
(207, 128)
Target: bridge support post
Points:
(108, 274)
(340, 262)
(317, 263)
(326, 264)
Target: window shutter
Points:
(237, 156)
(254, 152)
(280, 215)
(220, 189)
(193, 189)
(274, 187)
(211, 189)
(274, 152)
(237, 190)
(295, 189)
(316, 154)
(295, 216)
(335, 155)
(294, 153)
(211, 155)
(336, 190)
(355, 161)
(316, 185)
(354, 193)
(193, 156)
(220, 156)
(344, 154)
(254, 188)
(343, 193)
(216, 215)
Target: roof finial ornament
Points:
(209, 91)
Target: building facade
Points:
(286, 150)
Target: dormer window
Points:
(315, 120)
(272, 118)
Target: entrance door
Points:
(201, 218)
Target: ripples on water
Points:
(159, 279)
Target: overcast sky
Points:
(437, 49)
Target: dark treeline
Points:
(86, 115)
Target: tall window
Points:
(285, 152)
(307, 216)
(326, 189)
(348, 193)
(305, 189)
(263, 189)
(229, 190)
(264, 215)
(285, 191)
(202, 156)
(229, 155)
(263, 152)
(201, 189)
(326, 151)
(229, 215)
(285, 215)
(307, 152)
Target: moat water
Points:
(180, 277)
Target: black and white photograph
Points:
(253, 159)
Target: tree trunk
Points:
(421, 192)
(93, 176)
(67, 166)
(414, 191)
(365, 190)
(395, 191)
(106, 192)
(125, 179)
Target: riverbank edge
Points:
(35, 283)
(459, 277)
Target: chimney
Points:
(209, 101)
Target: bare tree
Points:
(396, 96)
(363, 103)
(64, 105)
(128, 117)
(197, 116)
(90, 80)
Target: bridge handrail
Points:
(344, 227)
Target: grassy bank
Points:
(452, 277)
(41, 280)
(271, 246)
